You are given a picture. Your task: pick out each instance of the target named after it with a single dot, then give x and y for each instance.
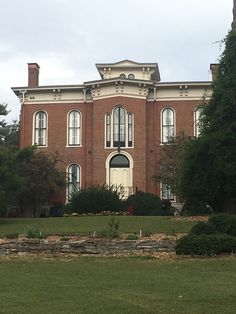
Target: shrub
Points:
(95, 199)
(57, 210)
(211, 244)
(203, 228)
(133, 236)
(195, 209)
(112, 230)
(145, 204)
(35, 233)
(224, 223)
(12, 235)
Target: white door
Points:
(120, 174)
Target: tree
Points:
(169, 164)
(41, 179)
(9, 133)
(209, 169)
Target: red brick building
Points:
(109, 131)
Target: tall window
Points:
(108, 130)
(119, 128)
(166, 192)
(168, 128)
(74, 128)
(40, 132)
(73, 179)
(197, 121)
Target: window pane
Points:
(74, 128)
(40, 128)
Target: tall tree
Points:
(209, 170)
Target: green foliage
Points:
(203, 228)
(216, 236)
(170, 161)
(146, 204)
(224, 224)
(112, 230)
(209, 168)
(14, 235)
(206, 244)
(132, 236)
(95, 199)
(35, 233)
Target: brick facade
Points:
(145, 97)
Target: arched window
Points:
(40, 132)
(197, 121)
(119, 128)
(131, 76)
(74, 136)
(119, 161)
(73, 179)
(108, 130)
(122, 75)
(168, 127)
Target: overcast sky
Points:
(67, 37)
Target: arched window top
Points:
(74, 128)
(119, 161)
(167, 116)
(131, 76)
(40, 128)
(122, 75)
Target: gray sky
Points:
(67, 37)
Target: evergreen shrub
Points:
(96, 199)
(206, 244)
(146, 204)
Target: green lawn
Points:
(67, 225)
(118, 285)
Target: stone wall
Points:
(88, 246)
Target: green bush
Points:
(224, 223)
(95, 199)
(12, 235)
(146, 204)
(33, 233)
(195, 209)
(210, 244)
(203, 228)
(112, 230)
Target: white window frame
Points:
(167, 193)
(79, 143)
(196, 119)
(127, 127)
(164, 141)
(35, 137)
(76, 184)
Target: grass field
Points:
(118, 285)
(67, 225)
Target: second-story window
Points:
(119, 131)
(197, 121)
(119, 128)
(40, 132)
(74, 130)
(168, 127)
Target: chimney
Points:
(214, 67)
(33, 74)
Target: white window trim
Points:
(107, 165)
(67, 172)
(33, 131)
(161, 194)
(67, 130)
(161, 127)
(195, 121)
(126, 128)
